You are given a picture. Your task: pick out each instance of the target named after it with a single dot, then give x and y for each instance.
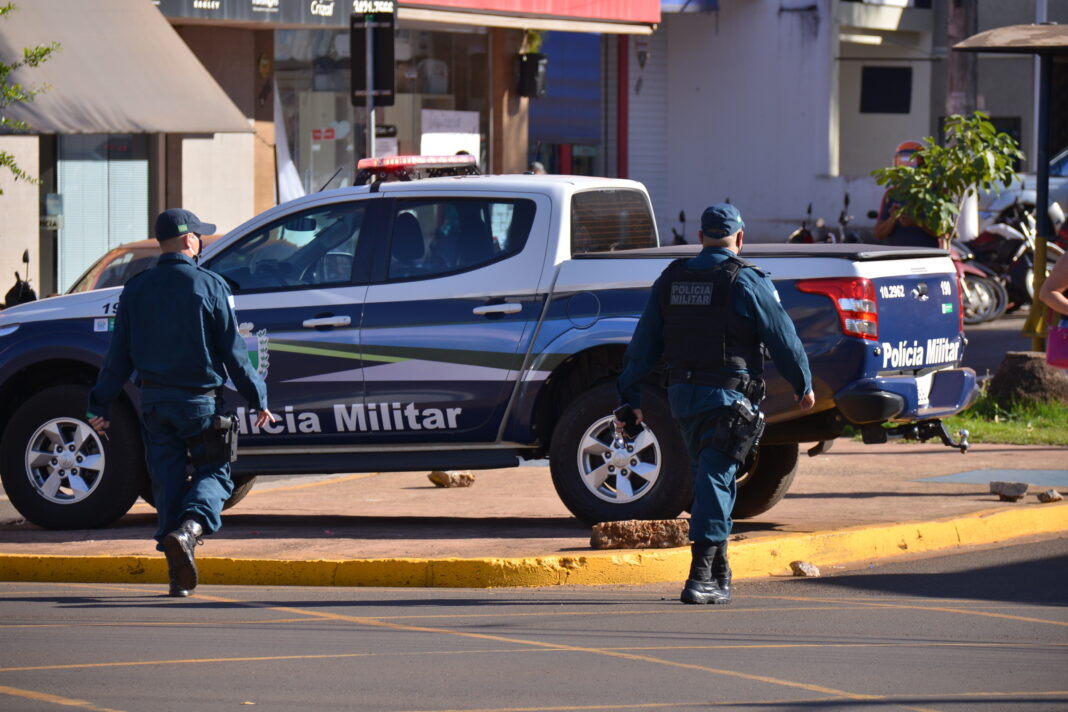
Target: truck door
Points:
(299, 284)
(450, 310)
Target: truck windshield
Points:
(614, 219)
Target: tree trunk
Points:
(961, 84)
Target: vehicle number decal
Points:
(111, 307)
(947, 288)
(892, 291)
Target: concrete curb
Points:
(765, 556)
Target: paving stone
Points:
(641, 534)
(1050, 495)
(1009, 491)
(451, 478)
(804, 568)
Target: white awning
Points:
(121, 68)
(523, 22)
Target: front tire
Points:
(599, 480)
(59, 473)
(767, 481)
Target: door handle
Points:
(327, 321)
(506, 308)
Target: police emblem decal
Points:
(257, 344)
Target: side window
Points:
(313, 248)
(444, 236)
(613, 219)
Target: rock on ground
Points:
(641, 534)
(804, 568)
(451, 478)
(1009, 491)
(1050, 495)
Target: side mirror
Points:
(847, 200)
(682, 216)
(809, 211)
(872, 214)
(26, 256)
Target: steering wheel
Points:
(273, 270)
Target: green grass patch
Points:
(1022, 424)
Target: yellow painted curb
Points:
(764, 556)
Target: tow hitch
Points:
(875, 433)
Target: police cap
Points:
(721, 220)
(177, 222)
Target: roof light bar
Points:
(415, 161)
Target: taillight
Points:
(854, 300)
(960, 301)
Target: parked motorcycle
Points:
(1007, 247)
(983, 296)
(21, 292)
(802, 235)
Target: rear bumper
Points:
(902, 398)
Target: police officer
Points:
(176, 327)
(708, 317)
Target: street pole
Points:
(1042, 223)
(370, 66)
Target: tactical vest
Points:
(703, 334)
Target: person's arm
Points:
(231, 346)
(113, 374)
(1052, 293)
(644, 351)
(777, 332)
(884, 224)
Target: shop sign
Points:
(322, 13)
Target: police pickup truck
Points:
(471, 322)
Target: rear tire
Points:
(653, 481)
(59, 473)
(767, 482)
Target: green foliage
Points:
(974, 156)
(13, 92)
(1023, 424)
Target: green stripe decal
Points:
(332, 353)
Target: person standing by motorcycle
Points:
(893, 227)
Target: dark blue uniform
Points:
(177, 328)
(692, 404)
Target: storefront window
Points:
(441, 104)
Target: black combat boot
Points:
(721, 574)
(700, 586)
(181, 564)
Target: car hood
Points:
(65, 306)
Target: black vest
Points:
(703, 334)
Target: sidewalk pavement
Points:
(856, 503)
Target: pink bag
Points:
(1057, 344)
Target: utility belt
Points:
(212, 391)
(752, 388)
(735, 432)
(217, 445)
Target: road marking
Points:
(54, 699)
(940, 609)
(646, 706)
(371, 622)
(140, 624)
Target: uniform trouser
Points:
(166, 426)
(714, 488)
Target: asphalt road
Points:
(986, 630)
(987, 343)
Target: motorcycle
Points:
(983, 296)
(1007, 247)
(802, 235)
(21, 292)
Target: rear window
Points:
(615, 219)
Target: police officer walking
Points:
(709, 317)
(177, 328)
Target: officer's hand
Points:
(619, 423)
(806, 401)
(99, 424)
(264, 417)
